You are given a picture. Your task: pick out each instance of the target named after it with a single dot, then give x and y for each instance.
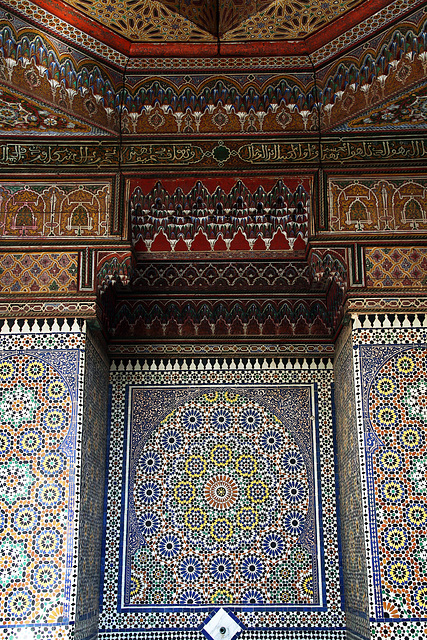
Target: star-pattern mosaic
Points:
(222, 505)
(391, 369)
(38, 428)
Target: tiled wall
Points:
(93, 458)
(43, 475)
(221, 494)
(350, 491)
(391, 392)
(40, 412)
(222, 490)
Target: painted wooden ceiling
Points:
(169, 21)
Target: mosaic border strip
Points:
(42, 309)
(271, 368)
(220, 350)
(46, 326)
(386, 305)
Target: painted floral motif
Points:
(20, 114)
(407, 111)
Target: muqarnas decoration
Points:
(203, 216)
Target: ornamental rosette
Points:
(13, 561)
(18, 406)
(16, 479)
(222, 492)
(415, 400)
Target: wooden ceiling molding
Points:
(166, 28)
(389, 67)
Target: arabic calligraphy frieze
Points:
(339, 151)
(212, 153)
(66, 154)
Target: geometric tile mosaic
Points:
(391, 362)
(221, 494)
(221, 498)
(40, 377)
